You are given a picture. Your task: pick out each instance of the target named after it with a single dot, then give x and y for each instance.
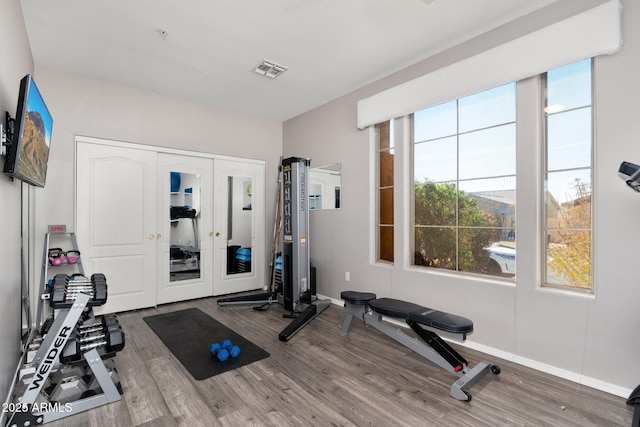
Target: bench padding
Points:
(422, 315)
(358, 298)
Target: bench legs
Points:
(459, 389)
(350, 311)
(432, 348)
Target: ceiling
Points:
(206, 50)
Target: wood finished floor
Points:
(321, 379)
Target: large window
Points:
(384, 190)
(568, 176)
(464, 157)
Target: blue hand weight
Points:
(223, 355)
(227, 344)
(215, 348)
(234, 351)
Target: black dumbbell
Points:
(70, 389)
(98, 277)
(100, 293)
(64, 291)
(110, 341)
(115, 339)
(109, 320)
(58, 292)
(60, 279)
(46, 326)
(95, 325)
(99, 283)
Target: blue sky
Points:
(486, 147)
(36, 103)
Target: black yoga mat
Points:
(189, 334)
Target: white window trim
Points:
(594, 196)
(530, 147)
(373, 191)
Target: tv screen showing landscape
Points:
(33, 136)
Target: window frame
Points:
(544, 229)
(379, 226)
(530, 175)
(458, 134)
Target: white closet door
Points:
(116, 221)
(184, 215)
(239, 226)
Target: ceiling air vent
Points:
(270, 69)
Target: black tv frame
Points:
(15, 134)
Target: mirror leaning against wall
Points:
(324, 187)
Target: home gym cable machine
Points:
(296, 288)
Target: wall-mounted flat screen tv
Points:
(28, 152)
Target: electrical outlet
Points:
(347, 276)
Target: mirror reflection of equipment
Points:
(184, 248)
(239, 225)
(324, 187)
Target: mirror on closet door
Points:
(324, 187)
(184, 249)
(239, 225)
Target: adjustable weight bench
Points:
(424, 322)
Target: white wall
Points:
(94, 108)
(592, 340)
(16, 62)
(82, 106)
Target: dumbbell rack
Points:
(71, 340)
(30, 409)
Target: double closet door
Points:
(168, 226)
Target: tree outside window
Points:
(568, 176)
(464, 184)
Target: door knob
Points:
(217, 234)
(151, 236)
(158, 236)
